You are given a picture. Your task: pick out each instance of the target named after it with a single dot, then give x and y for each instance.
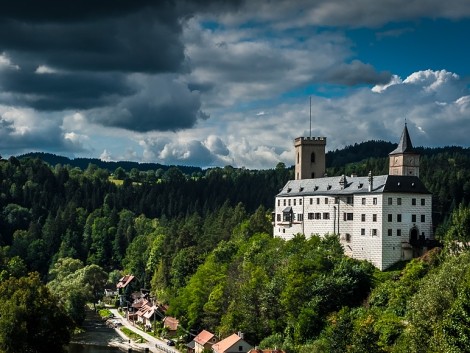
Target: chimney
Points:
(371, 181)
(240, 334)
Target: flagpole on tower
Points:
(310, 117)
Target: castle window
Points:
(348, 237)
(363, 200)
(423, 202)
(300, 217)
(295, 202)
(318, 215)
(399, 217)
(298, 158)
(390, 217)
(390, 201)
(313, 175)
(413, 218)
(326, 215)
(350, 200)
(423, 218)
(326, 200)
(278, 216)
(389, 232)
(413, 202)
(300, 202)
(374, 217)
(288, 202)
(284, 202)
(287, 216)
(363, 231)
(348, 216)
(398, 201)
(374, 232)
(398, 232)
(374, 201)
(279, 202)
(310, 215)
(312, 157)
(311, 201)
(318, 200)
(363, 217)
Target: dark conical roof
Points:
(405, 145)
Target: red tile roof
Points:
(203, 337)
(171, 323)
(139, 303)
(226, 343)
(124, 281)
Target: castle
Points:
(379, 218)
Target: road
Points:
(152, 343)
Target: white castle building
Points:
(382, 219)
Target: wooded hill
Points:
(202, 243)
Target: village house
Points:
(203, 340)
(232, 344)
(171, 325)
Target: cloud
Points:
(216, 146)
(352, 14)
(5, 62)
(47, 90)
(357, 73)
(234, 65)
(161, 103)
(174, 152)
(20, 134)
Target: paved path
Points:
(152, 343)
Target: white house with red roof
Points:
(232, 344)
(204, 340)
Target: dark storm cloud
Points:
(59, 91)
(129, 36)
(133, 43)
(161, 103)
(60, 11)
(356, 73)
(90, 49)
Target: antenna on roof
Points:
(310, 117)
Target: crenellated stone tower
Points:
(310, 160)
(404, 160)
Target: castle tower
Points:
(309, 157)
(404, 160)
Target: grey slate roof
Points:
(331, 186)
(405, 145)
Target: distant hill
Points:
(334, 159)
(358, 152)
(83, 163)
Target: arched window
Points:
(312, 157)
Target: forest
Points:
(201, 241)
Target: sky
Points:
(214, 83)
